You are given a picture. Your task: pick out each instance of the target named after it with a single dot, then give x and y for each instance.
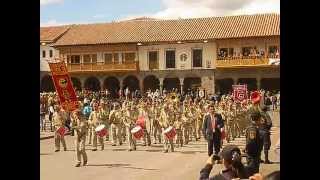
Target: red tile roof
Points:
(50, 34)
(173, 30)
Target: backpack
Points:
(252, 141)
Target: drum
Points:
(141, 121)
(170, 132)
(137, 132)
(62, 130)
(101, 130)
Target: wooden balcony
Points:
(233, 62)
(102, 67)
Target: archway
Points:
(76, 83)
(92, 83)
(270, 84)
(191, 83)
(251, 83)
(170, 83)
(224, 86)
(132, 83)
(151, 82)
(112, 84)
(47, 84)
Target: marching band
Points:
(156, 118)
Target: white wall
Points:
(43, 63)
(208, 54)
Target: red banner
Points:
(240, 92)
(63, 84)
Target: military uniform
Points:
(115, 120)
(253, 145)
(178, 126)
(264, 130)
(59, 119)
(95, 119)
(156, 129)
(129, 118)
(80, 126)
(166, 120)
(147, 129)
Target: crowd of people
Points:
(157, 114)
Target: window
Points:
(86, 58)
(273, 51)
(231, 52)
(170, 59)
(43, 54)
(94, 58)
(50, 53)
(108, 58)
(246, 51)
(128, 57)
(116, 58)
(223, 52)
(73, 59)
(90, 58)
(153, 60)
(197, 57)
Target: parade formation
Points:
(165, 118)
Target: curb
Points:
(52, 136)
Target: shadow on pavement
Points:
(109, 165)
(45, 154)
(119, 149)
(121, 166)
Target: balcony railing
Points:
(243, 61)
(102, 67)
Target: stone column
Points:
(82, 80)
(181, 85)
(235, 80)
(101, 83)
(213, 91)
(121, 83)
(161, 85)
(141, 85)
(258, 83)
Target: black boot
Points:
(266, 157)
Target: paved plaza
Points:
(115, 162)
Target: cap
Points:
(228, 151)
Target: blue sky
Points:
(58, 12)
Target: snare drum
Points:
(170, 132)
(137, 132)
(101, 130)
(62, 130)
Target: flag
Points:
(240, 92)
(63, 84)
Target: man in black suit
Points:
(211, 130)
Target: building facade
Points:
(211, 53)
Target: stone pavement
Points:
(115, 162)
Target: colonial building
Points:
(48, 35)
(212, 53)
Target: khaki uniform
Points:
(178, 126)
(156, 126)
(59, 119)
(95, 119)
(198, 123)
(80, 126)
(129, 122)
(166, 120)
(146, 140)
(115, 118)
(105, 118)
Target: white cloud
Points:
(46, 2)
(99, 16)
(54, 22)
(206, 8)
